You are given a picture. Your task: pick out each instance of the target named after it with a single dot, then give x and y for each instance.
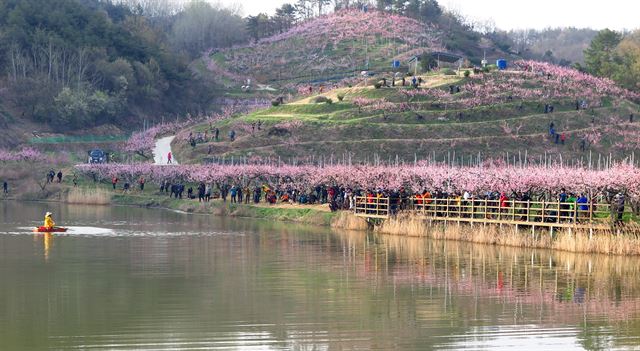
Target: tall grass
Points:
(623, 240)
(347, 220)
(89, 196)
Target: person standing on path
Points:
(169, 157)
(5, 187)
(114, 182)
(141, 181)
(207, 193)
(201, 192)
(247, 194)
(619, 202)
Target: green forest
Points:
(72, 63)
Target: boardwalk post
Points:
(447, 202)
(485, 209)
(473, 202)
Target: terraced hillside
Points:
(492, 114)
(326, 47)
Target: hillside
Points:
(332, 47)
(70, 65)
(494, 113)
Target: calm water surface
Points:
(135, 279)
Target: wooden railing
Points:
(372, 206)
(536, 213)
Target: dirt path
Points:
(162, 149)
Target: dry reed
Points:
(623, 241)
(89, 196)
(349, 221)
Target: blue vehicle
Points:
(98, 156)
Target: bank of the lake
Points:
(102, 195)
(622, 240)
(316, 215)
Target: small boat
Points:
(49, 230)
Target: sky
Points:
(518, 14)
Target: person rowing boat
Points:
(49, 224)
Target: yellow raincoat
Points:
(48, 222)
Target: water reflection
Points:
(590, 300)
(161, 280)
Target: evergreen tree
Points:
(600, 55)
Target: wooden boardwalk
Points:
(589, 216)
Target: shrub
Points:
(486, 69)
(378, 85)
(340, 97)
(476, 70)
(467, 73)
(448, 72)
(275, 103)
(321, 99)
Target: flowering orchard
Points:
(357, 35)
(350, 23)
(26, 154)
(532, 81)
(537, 179)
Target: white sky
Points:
(509, 14)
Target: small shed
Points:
(442, 59)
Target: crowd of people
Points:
(572, 206)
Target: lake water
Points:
(128, 278)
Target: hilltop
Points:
(338, 45)
(494, 113)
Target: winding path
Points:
(163, 147)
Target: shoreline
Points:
(620, 244)
(318, 215)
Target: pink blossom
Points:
(488, 177)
